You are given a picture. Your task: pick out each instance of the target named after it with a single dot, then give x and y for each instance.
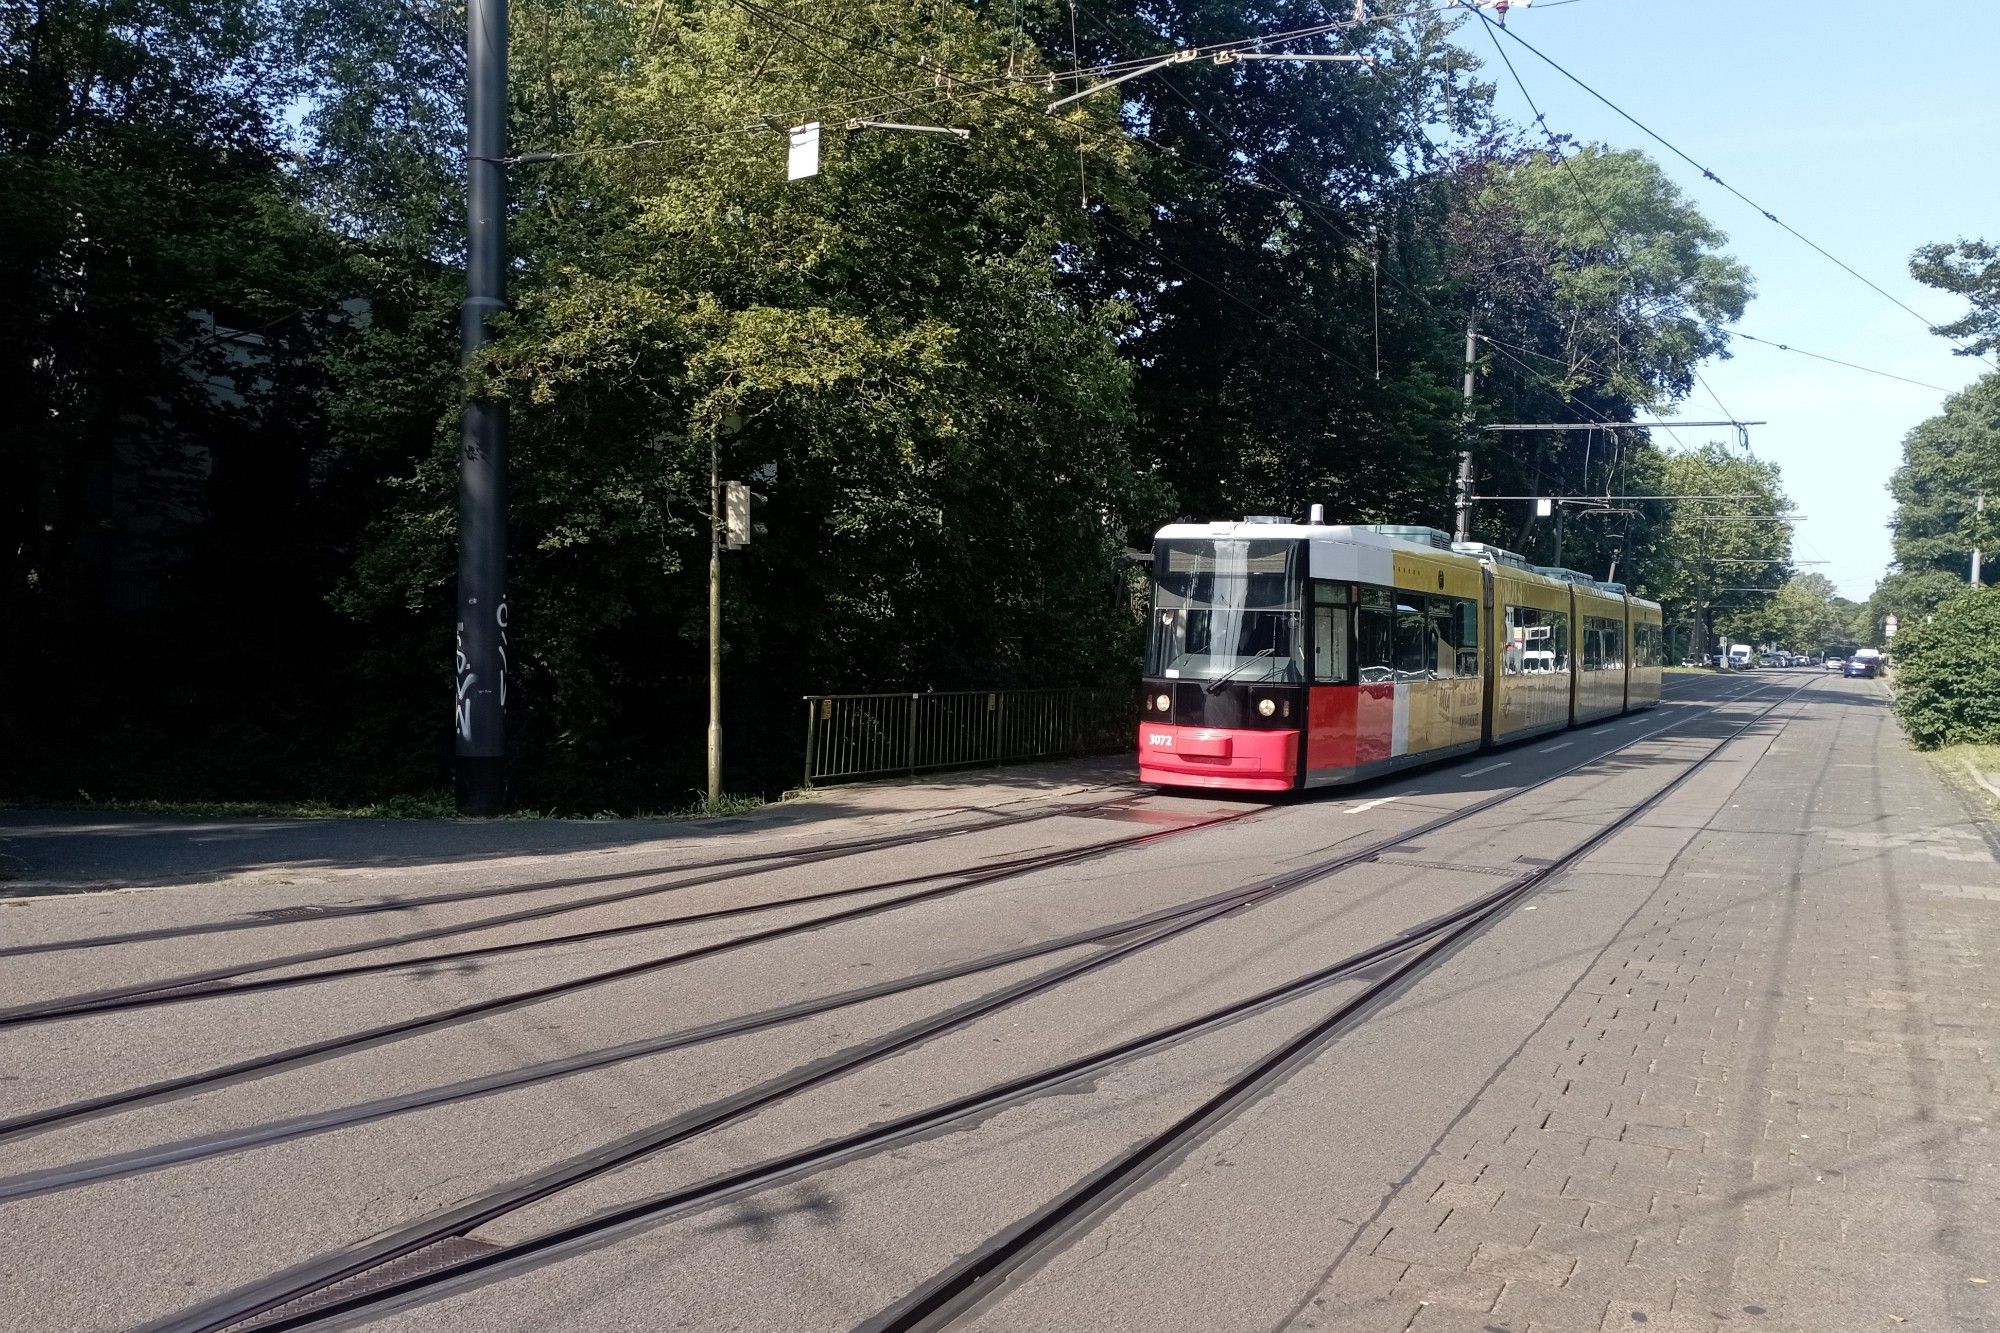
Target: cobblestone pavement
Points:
(1769, 1101)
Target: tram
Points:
(1282, 656)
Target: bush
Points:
(1948, 673)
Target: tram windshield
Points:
(1226, 608)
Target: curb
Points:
(1990, 788)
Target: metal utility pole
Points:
(1462, 530)
(714, 618)
(1979, 517)
(480, 774)
(1471, 359)
(1462, 506)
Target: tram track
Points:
(263, 1066)
(1224, 902)
(340, 1283)
(985, 1272)
(344, 911)
(224, 981)
(295, 1057)
(759, 861)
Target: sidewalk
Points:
(1769, 1101)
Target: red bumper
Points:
(1206, 757)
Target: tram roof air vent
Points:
(1416, 535)
(1493, 553)
(1265, 518)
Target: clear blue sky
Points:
(1872, 129)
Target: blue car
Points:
(1860, 666)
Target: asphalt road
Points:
(307, 1113)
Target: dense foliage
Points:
(1948, 672)
(1805, 615)
(1971, 269)
(1716, 559)
(966, 377)
(1949, 461)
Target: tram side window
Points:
(1374, 636)
(1468, 638)
(1414, 655)
(1537, 642)
(1330, 634)
(1443, 648)
(1646, 645)
(1603, 644)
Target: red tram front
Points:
(1282, 656)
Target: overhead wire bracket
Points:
(961, 134)
(1231, 57)
(1177, 58)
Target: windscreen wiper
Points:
(1223, 679)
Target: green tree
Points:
(1949, 461)
(1720, 561)
(1599, 288)
(168, 297)
(890, 349)
(1283, 280)
(1803, 615)
(1948, 672)
(1628, 283)
(964, 374)
(1970, 269)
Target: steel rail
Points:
(210, 982)
(258, 1067)
(222, 982)
(121, 1165)
(985, 1271)
(800, 856)
(262, 1301)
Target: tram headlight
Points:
(1162, 703)
(1266, 707)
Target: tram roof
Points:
(1253, 529)
(1387, 537)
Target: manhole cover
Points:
(305, 913)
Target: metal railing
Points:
(859, 735)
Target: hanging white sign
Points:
(803, 159)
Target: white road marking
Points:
(1489, 768)
(1559, 745)
(1366, 806)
